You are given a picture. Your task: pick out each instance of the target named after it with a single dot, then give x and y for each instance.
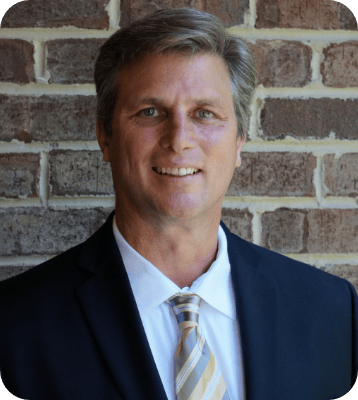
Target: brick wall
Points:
(297, 189)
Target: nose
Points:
(178, 133)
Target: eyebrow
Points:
(200, 102)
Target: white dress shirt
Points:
(217, 316)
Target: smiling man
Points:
(163, 302)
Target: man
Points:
(104, 319)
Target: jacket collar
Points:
(112, 313)
(257, 310)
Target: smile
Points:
(176, 171)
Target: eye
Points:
(206, 114)
(149, 112)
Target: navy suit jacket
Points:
(70, 328)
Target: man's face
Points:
(173, 111)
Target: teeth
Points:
(177, 171)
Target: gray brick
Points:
(47, 118)
(274, 174)
(87, 14)
(75, 173)
(72, 60)
(19, 175)
(238, 221)
(282, 63)
(340, 174)
(312, 118)
(283, 231)
(16, 61)
(37, 231)
(332, 231)
(231, 12)
(303, 14)
(340, 65)
(131, 10)
(346, 18)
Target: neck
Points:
(182, 251)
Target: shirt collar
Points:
(151, 287)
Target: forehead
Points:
(173, 77)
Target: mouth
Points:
(177, 171)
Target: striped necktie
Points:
(197, 375)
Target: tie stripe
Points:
(197, 372)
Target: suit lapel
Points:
(109, 305)
(257, 310)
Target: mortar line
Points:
(39, 58)
(112, 9)
(318, 179)
(256, 228)
(250, 33)
(44, 184)
(251, 17)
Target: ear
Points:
(240, 144)
(102, 138)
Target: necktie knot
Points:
(186, 309)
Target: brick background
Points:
(230, 11)
(304, 14)
(296, 189)
(310, 118)
(274, 174)
(48, 232)
(282, 63)
(47, 118)
(75, 173)
(310, 231)
(16, 61)
(19, 174)
(88, 14)
(72, 60)
(238, 221)
(339, 68)
(340, 174)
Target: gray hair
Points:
(182, 30)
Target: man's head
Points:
(186, 31)
(165, 88)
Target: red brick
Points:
(75, 173)
(88, 14)
(332, 231)
(16, 61)
(346, 18)
(38, 231)
(47, 118)
(131, 10)
(340, 174)
(326, 231)
(238, 221)
(283, 231)
(348, 272)
(304, 14)
(72, 60)
(8, 272)
(340, 65)
(231, 12)
(19, 175)
(274, 174)
(312, 118)
(282, 63)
